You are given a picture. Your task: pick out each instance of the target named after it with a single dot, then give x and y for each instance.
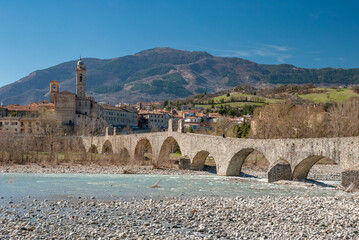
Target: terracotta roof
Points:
(29, 108)
(212, 115)
(200, 114)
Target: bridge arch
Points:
(199, 160)
(301, 170)
(168, 146)
(236, 163)
(143, 151)
(93, 149)
(107, 148)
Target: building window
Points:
(80, 77)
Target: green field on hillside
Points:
(237, 95)
(232, 104)
(331, 95)
(239, 100)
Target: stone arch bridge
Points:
(290, 159)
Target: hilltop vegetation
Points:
(165, 73)
(289, 74)
(329, 95)
(305, 93)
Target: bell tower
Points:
(80, 79)
(54, 88)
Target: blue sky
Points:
(313, 34)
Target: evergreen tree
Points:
(190, 129)
(165, 103)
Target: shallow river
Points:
(19, 186)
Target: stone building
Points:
(23, 119)
(10, 125)
(32, 110)
(69, 108)
(72, 108)
(153, 120)
(119, 117)
(22, 125)
(158, 119)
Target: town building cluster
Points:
(74, 110)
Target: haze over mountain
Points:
(165, 73)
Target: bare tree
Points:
(90, 127)
(288, 120)
(223, 127)
(344, 119)
(50, 129)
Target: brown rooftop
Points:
(29, 108)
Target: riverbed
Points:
(166, 205)
(23, 186)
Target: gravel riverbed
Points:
(96, 169)
(318, 171)
(184, 218)
(264, 217)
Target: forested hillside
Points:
(165, 73)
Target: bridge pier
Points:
(350, 178)
(280, 171)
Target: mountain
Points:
(165, 73)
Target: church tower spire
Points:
(80, 79)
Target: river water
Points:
(27, 186)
